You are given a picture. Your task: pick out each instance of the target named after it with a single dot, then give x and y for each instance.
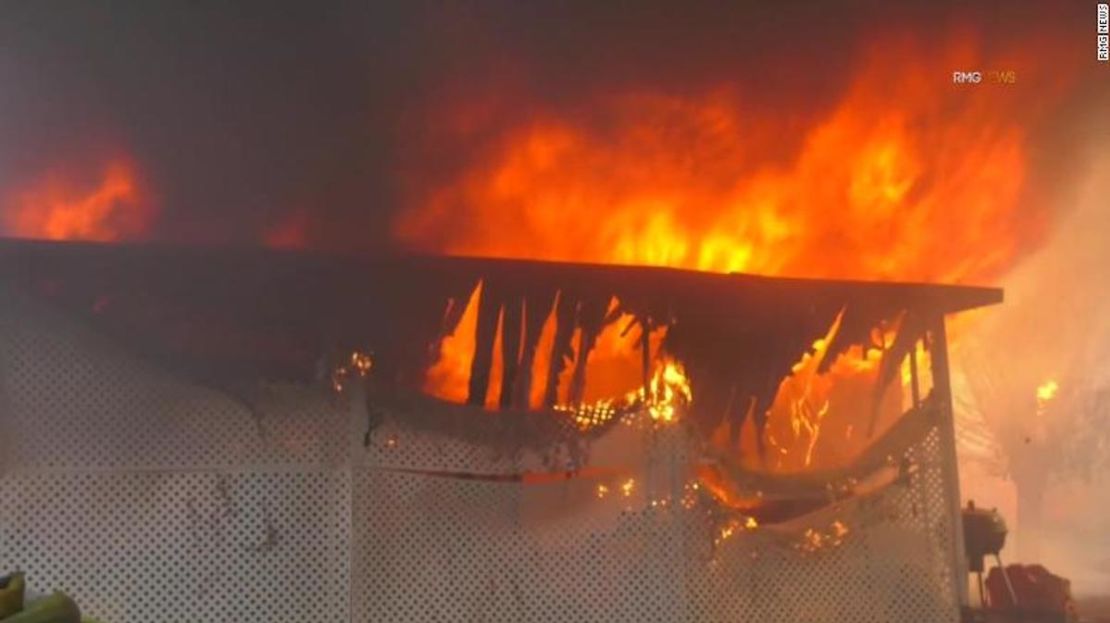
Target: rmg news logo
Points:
(1000, 76)
(1103, 26)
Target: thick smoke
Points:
(1054, 326)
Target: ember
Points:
(815, 540)
(1046, 392)
(357, 365)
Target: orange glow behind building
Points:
(108, 207)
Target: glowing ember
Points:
(814, 540)
(627, 487)
(111, 207)
(732, 526)
(1046, 392)
(590, 416)
(361, 363)
(357, 365)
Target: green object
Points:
(57, 608)
(11, 595)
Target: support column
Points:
(946, 427)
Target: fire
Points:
(627, 487)
(670, 390)
(112, 207)
(814, 419)
(1047, 391)
(590, 415)
(814, 540)
(614, 386)
(357, 365)
(897, 180)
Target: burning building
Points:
(575, 311)
(242, 433)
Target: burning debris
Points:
(357, 366)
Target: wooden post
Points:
(946, 428)
(914, 389)
(489, 309)
(512, 325)
(560, 348)
(645, 356)
(537, 309)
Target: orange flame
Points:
(898, 180)
(613, 371)
(57, 208)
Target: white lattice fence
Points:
(437, 548)
(153, 499)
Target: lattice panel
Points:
(484, 556)
(628, 448)
(434, 547)
(75, 401)
(438, 453)
(184, 547)
(151, 498)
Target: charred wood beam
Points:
(489, 312)
(561, 350)
(910, 329)
(512, 325)
(537, 309)
(456, 307)
(645, 356)
(592, 314)
(914, 387)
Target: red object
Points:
(1037, 590)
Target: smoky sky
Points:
(238, 113)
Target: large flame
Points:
(110, 206)
(614, 369)
(899, 179)
(906, 176)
